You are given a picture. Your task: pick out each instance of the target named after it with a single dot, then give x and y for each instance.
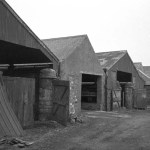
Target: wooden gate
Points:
(21, 95)
(60, 111)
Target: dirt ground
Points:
(123, 130)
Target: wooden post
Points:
(111, 101)
(106, 76)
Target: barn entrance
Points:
(123, 78)
(90, 91)
(21, 66)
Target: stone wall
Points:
(45, 99)
(75, 92)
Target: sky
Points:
(110, 24)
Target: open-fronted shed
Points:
(120, 73)
(22, 56)
(80, 66)
(18, 44)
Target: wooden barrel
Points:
(45, 93)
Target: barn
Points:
(79, 65)
(121, 76)
(22, 56)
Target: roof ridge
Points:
(137, 62)
(112, 51)
(66, 37)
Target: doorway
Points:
(123, 78)
(89, 91)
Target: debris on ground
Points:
(74, 118)
(15, 142)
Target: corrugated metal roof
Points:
(64, 46)
(108, 59)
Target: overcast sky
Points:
(110, 24)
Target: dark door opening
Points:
(89, 91)
(123, 102)
(123, 78)
(17, 54)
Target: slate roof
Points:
(144, 76)
(108, 59)
(64, 46)
(139, 66)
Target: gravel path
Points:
(126, 130)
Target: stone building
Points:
(120, 73)
(79, 65)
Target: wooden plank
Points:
(60, 115)
(61, 90)
(8, 115)
(4, 125)
(9, 108)
(22, 94)
(13, 118)
(2, 133)
(29, 99)
(61, 83)
(61, 101)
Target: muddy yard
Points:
(124, 130)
